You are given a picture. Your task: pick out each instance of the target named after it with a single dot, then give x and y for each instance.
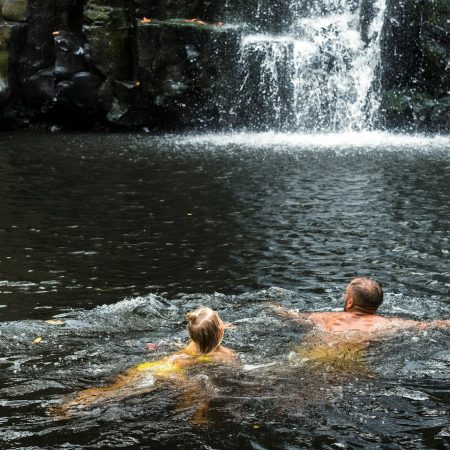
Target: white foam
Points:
(401, 391)
(146, 382)
(357, 140)
(251, 367)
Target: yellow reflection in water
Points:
(339, 355)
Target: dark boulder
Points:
(119, 99)
(69, 54)
(46, 17)
(39, 90)
(81, 92)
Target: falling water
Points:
(320, 74)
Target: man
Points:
(363, 296)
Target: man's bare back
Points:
(344, 321)
(348, 321)
(362, 298)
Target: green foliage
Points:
(438, 12)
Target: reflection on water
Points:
(339, 355)
(88, 220)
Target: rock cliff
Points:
(124, 63)
(415, 76)
(169, 65)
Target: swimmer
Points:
(339, 340)
(206, 331)
(363, 296)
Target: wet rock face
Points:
(101, 59)
(168, 64)
(415, 58)
(11, 40)
(69, 55)
(182, 68)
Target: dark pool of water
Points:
(153, 227)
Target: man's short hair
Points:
(366, 292)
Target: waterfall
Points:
(317, 74)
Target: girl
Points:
(206, 331)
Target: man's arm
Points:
(291, 314)
(434, 324)
(402, 323)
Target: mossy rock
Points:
(184, 69)
(439, 119)
(15, 10)
(168, 9)
(108, 33)
(434, 62)
(11, 40)
(5, 36)
(117, 99)
(409, 109)
(438, 12)
(102, 15)
(110, 50)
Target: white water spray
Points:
(320, 75)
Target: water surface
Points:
(152, 227)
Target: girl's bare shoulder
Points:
(224, 354)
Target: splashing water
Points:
(320, 75)
(283, 387)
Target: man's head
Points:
(363, 294)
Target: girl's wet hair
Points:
(205, 329)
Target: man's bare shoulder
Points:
(345, 321)
(341, 321)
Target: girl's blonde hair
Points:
(205, 329)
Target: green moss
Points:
(110, 51)
(106, 15)
(5, 36)
(107, 30)
(439, 12)
(4, 60)
(409, 108)
(395, 103)
(15, 10)
(97, 15)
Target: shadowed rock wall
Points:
(415, 77)
(84, 63)
(142, 63)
